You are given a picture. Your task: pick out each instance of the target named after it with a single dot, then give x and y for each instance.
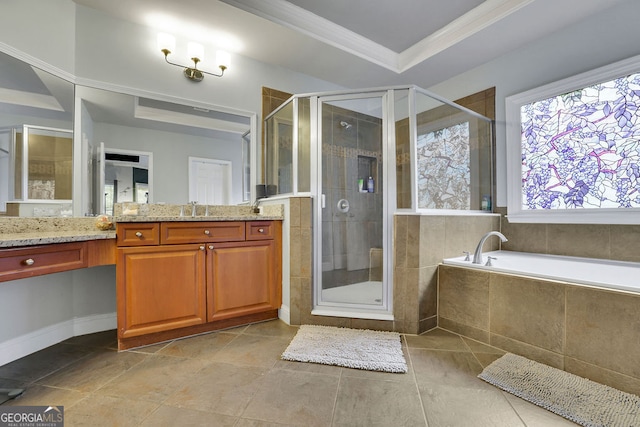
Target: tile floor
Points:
(236, 378)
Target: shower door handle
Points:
(343, 205)
(323, 201)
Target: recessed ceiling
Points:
(368, 43)
(387, 23)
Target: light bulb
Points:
(195, 50)
(222, 59)
(166, 41)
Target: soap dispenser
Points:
(370, 187)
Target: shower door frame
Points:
(385, 310)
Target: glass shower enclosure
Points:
(364, 156)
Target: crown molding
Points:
(35, 62)
(477, 19)
(296, 18)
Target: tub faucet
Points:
(477, 256)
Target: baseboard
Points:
(27, 344)
(95, 323)
(284, 314)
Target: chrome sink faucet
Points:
(194, 205)
(477, 256)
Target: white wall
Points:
(40, 311)
(122, 53)
(598, 41)
(43, 29)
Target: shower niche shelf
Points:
(367, 167)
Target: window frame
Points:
(515, 213)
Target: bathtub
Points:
(619, 275)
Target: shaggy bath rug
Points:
(578, 399)
(350, 348)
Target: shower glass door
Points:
(352, 227)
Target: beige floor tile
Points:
(220, 387)
(367, 402)
(535, 416)
(246, 422)
(94, 371)
(43, 362)
(38, 395)
(154, 379)
(290, 397)
(253, 350)
(272, 328)
(487, 359)
(459, 406)
(446, 368)
(201, 346)
(170, 416)
(105, 339)
(437, 339)
(316, 368)
(108, 411)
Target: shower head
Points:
(345, 125)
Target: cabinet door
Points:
(241, 279)
(160, 288)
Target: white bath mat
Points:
(351, 348)
(578, 399)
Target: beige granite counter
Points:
(18, 231)
(156, 212)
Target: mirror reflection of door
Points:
(209, 181)
(127, 177)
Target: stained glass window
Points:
(444, 175)
(581, 150)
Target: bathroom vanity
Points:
(183, 276)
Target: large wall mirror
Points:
(123, 139)
(36, 141)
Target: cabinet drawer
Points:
(39, 260)
(260, 230)
(138, 234)
(201, 232)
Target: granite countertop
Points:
(9, 240)
(149, 218)
(19, 231)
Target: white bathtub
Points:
(608, 274)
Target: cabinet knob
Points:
(28, 261)
(202, 248)
(211, 247)
(207, 232)
(138, 234)
(260, 230)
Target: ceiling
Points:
(362, 43)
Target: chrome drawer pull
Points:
(202, 248)
(211, 247)
(28, 261)
(261, 230)
(207, 232)
(138, 234)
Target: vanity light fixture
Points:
(167, 44)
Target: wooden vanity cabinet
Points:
(196, 277)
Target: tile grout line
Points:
(415, 383)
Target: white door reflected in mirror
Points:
(209, 181)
